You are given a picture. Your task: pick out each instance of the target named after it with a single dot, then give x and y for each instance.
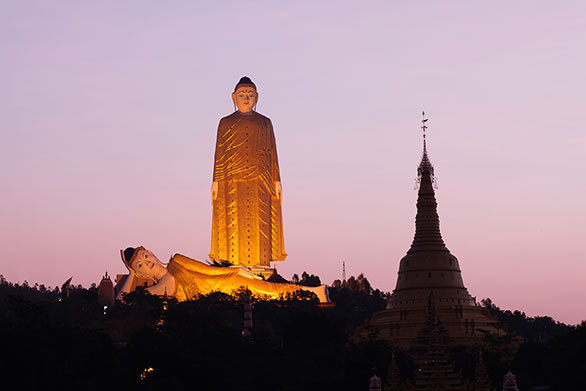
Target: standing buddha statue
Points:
(247, 224)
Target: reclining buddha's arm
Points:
(165, 286)
(126, 285)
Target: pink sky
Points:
(109, 111)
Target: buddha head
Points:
(144, 263)
(245, 95)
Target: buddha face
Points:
(146, 264)
(245, 99)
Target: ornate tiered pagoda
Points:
(106, 291)
(429, 275)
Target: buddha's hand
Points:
(278, 190)
(214, 191)
(131, 271)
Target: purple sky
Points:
(109, 111)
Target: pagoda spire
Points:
(427, 229)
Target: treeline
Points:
(51, 341)
(149, 342)
(531, 329)
(546, 352)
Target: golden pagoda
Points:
(429, 275)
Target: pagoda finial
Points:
(425, 165)
(423, 126)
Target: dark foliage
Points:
(148, 342)
(307, 280)
(275, 277)
(546, 352)
(531, 329)
(356, 298)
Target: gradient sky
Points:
(109, 111)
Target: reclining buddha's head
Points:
(144, 263)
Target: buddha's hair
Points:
(245, 81)
(128, 253)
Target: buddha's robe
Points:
(193, 277)
(247, 224)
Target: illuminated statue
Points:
(184, 278)
(247, 225)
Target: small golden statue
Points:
(247, 224)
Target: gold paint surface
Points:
(193, 278)
(247, 224)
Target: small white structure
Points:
(375, 384)
(510, 382)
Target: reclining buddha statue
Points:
(185, 278)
